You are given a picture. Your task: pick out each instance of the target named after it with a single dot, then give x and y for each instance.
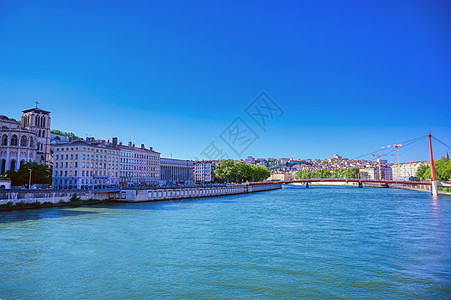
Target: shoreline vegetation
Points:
(74, 201)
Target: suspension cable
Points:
(409, 142)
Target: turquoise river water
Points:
(322, 242)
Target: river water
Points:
(322, 242)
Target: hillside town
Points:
(92, 163)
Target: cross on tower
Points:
(37, 103)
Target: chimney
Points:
(89, 140)
(142, 146)
(151, 148)
(129, 144)
(120, 143)
(133, 145)
(115, 142)
(71, 139)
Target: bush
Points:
(21, 204)
(36, 204)
(74, 198)
(61, 201)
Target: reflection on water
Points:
(321, 242)
(37, 214)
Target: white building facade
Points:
(138, 166)
(85, 165)
(204, 172)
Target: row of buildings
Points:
(285, 168)
(91, 163)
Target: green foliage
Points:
(74, 198)
(66, 134)
(307, 174)
(231, 171)
(423, 172)
(36, 204)
(61, 201)
(345, 173)
(21, 204)
(40, 174)
(442, 170)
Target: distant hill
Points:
(66, 134)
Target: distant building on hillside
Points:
(408, 169)
(373, 173)
(250, 160)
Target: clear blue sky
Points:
(350, 76)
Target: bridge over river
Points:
(421, 185)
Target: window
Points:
(76, 164)
(75, 173)
(57, 156)
(71, 156)
(76, 156)
(67, 156)
(14, 140)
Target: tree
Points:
(66, 133)
(231, 171)
(423, 172)
(442, 170)
(40, 174)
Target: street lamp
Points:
(29, 180)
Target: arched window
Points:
(3, 166)
(43, 122)
(23, 141)
(22, 162)
(31, 142)
(36, 120)
(13, 165)
(14, 140)
(4, 140)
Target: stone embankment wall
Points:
(54, 196)
(128, 195)
(158, 194)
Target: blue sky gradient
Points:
(350, 76)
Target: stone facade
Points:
(86, 164)
(204, 171)
(176, 171)
(138, 166)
